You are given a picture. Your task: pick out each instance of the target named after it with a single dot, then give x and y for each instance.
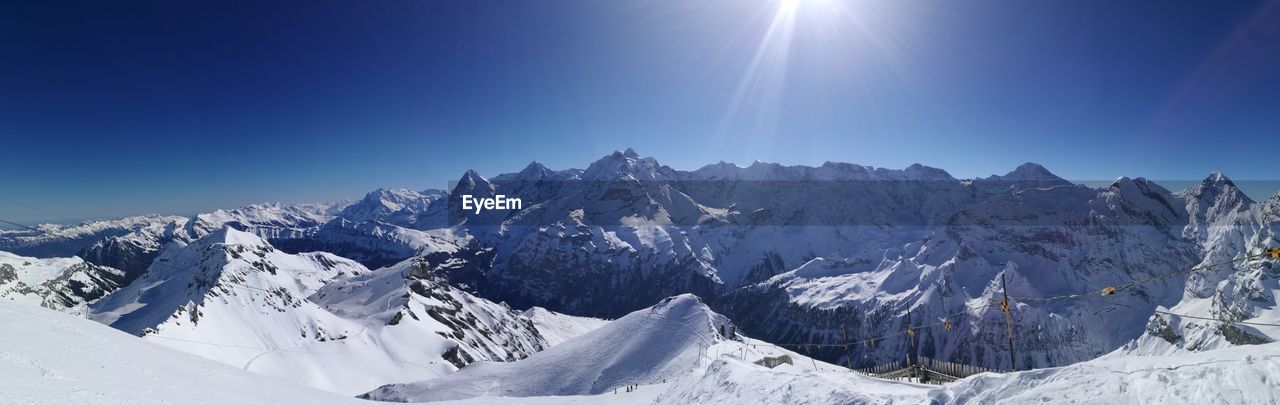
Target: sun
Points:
(792, 5)
(788, 5)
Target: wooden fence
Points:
(927, 370)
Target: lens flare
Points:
(830, 37)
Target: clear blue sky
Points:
(109, 108)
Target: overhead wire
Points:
(38, 209)
(31, 228)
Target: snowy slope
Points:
(644, 347)
(557, 327)
(51, 358)
(731, 381)
(313, 318)
(675, 352)
(642, 395)
(1238, 375)
(58, 283)
(410, 306)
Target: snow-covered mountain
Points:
(54, 240)
(644, 347)
(313, 318)
(678, 339)
(131, 244)
(1226, 225)
(58, 283)
(269, 221)
(796, 253)
(398, 206)
(48, 357)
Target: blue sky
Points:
(109, 109)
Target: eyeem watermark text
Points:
(497, 202)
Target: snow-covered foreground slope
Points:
(672, 344)
(48, 357)
(644, 347)
(730, 381)
(641, 395)
(1237, 375)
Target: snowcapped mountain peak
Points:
(1025, 176)
(472, 183)
(718, 171)
(397, 206)
(1147, 196)
(231, 236)
(471, 178)
(1029, 171)
(1217, 176)
(921, 172)
(534, 172)
(626, 165)
(1216, 203)
(682, 302)
(225, 268)
(829, 171)
(1216, 187)
(1217, 180)
(389, 196)
(535, 167)
(1140, 184)
(230, 239)
(392, 199)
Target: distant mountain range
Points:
(791, 254)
